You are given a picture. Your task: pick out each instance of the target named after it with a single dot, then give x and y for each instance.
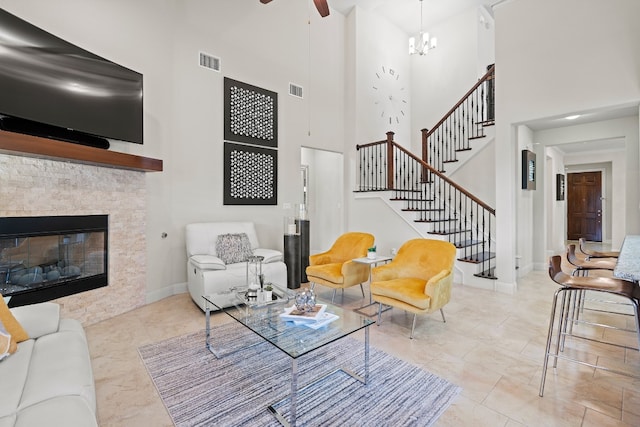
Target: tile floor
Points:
(492, 346)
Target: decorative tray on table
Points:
(278, 296)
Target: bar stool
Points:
(585, 266)
(596, 254)
(582, 268)
(570, 285)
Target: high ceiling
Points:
(405, 14)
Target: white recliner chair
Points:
(206, 268)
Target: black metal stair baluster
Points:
(487, 259)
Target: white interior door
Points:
(324, 193)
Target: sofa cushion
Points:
(60, 366)
(207, 262)
(14, 371)
(201, 237)
(38, 319)
(268, 255)
(407, 290)
(8, 421)
(67, 411)
(233, 247)
(330, 272)
(11, 324)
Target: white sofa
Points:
(208, 274)
(48, 381)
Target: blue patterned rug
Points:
(200, 390)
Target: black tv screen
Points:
(46, 80)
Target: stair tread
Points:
(487, 274)
(435, 220)
(403, 199)
(447, 232)
(458, 150)
(478, 257)
(450, 161)
(466, 243)
(477, 137)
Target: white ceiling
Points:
(583, 147)
(405, 14)
(585, 117)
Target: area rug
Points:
(200, 390)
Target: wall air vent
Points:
(209, 61)
(295, 90)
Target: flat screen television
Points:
(52, 88)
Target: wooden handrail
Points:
(427, 166)
(466, 95)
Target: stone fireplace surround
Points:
(43, 187)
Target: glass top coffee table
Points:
(263, 319)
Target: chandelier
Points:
(424, 43)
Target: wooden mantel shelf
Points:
(33, 146)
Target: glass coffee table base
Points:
(265, 322)
(293, 397)
(371, 309)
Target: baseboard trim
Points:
(160, 294)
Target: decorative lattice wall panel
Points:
(250, 175)
(251, 160)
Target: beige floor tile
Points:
(466, 412)
(492, 345)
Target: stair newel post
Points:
(425, 154)
(390, 171)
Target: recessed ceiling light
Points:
(572, 117)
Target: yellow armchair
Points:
(335, 269)
(418, 280)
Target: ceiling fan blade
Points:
(265, 1)
(322, 6)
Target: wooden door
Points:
(584, 206)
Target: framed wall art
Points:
(250, 114)
(560, 186)
(528, 170)
(250, 175)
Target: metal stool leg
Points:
(552, 319)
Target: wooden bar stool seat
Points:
(596, 254)
(584, 266)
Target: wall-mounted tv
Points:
(52, 88)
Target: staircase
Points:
(422, 193)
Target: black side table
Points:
(292, 260)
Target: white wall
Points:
(326, 197)
(476, 174)
(440, 78)
(525, 234)
(622, 203)
(555, 218)
(437, 81)
(550, 61)
(264, 45)
(553, 58)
